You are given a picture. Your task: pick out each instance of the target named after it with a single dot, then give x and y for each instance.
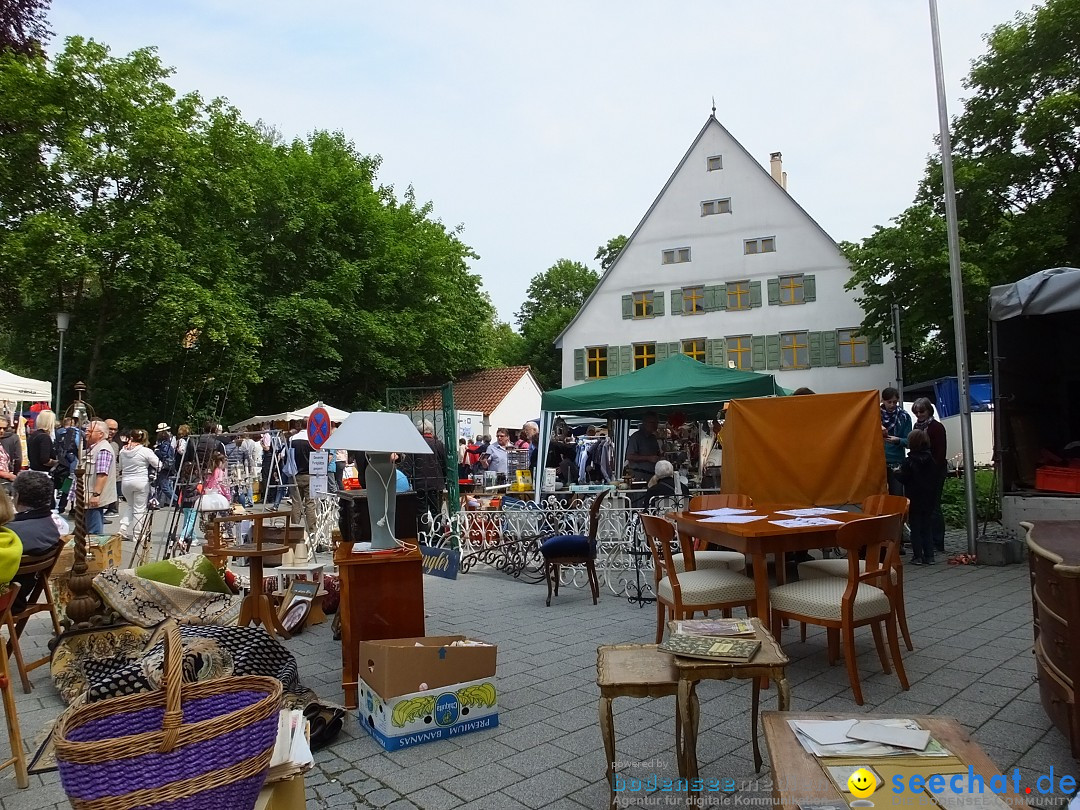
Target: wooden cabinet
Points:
(1054, 557)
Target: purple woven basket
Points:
(199, 746)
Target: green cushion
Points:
(193, 571)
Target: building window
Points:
(766, 244)
(695, 348)
(709, 207)
(644, 355)
(738, 352)
(596, 362)
(676, 255)
(714, 162)
(738, 295)
(791, 289)
(852, 347)
(643, 304)
(794, 350)
(693, 300)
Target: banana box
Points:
(434, 714)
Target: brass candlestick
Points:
(85, 610)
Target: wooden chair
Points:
(18, 756)
(40, 569)
(841, 605)
(679, 595)
(815, 569)
(707, 558)
(574, 549)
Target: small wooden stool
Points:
(635, 670)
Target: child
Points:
(218, 480)
(919, 475)
(189, 494)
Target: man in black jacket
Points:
(33, 523)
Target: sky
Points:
(545, 129)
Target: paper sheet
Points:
(726, 510)
(799, 522)
(826, 732)
(890, 735)
(813, 511)
(733, 519)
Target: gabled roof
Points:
(711, 121)
(480, 392)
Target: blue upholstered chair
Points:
(574, 549)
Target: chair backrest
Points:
(870, 533)
(886, 505)
(594, 516)
(729, 501)
(42, 565)
(660, 534)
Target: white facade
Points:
(760, 209)
(519, 406)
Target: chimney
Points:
(776, 169)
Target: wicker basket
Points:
(189, 746)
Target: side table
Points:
(769, 662)
(635, 670)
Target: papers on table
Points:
(292, 754)
(861, 748)
(813, 511)
(726, 510)
(826, 732)
(890, 735)
(733, 518)
(800, 522)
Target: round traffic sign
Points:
(318, 427)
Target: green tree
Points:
(552, 300)
(607, 254)
(1016, 152)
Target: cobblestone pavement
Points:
(971, 627)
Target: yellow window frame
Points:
(740, 347)
(853, 340)
(694, 348)
(794, 350)
(693, 299)
(738, 295)
(794, 284)
(643, 304)
(596, 361)
(644, 355)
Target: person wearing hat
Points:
(165, 450)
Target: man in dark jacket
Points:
(33, 523)
(429, 472)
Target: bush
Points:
(987, 505)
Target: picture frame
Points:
(296, 616)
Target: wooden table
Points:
(798, 777)
(769, 662)
(758, 539)
(256, 607)
(635, 670)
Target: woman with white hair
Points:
(39, 446)
(665, 483)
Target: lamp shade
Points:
(377, 432)
(63, 320)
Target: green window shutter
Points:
(813, 342)
(755, 293)
(721, 296)
(626, 359)
(613, 361)
(676, 302)
(772, 351)
(658, 303)
(774, 291)
(809, 289)
(708, 299)
(579, 364)
(757, 352)
(875, 351)
(628, 306)
(714, 353)
(830, 357)
(661, 352)
(674, 349)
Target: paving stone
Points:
(434, 797)
(539, 790)
(475, 784)
(407, 779)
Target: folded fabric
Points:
(192, 571)
(148, 603)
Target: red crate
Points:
(1057, 479)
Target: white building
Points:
(726, 267)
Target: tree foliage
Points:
(23, 27)
(1016, 150)
(607, 254)
(209, 265)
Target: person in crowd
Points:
(237, 466)
(135, 464)
(665, 485)
(429, 471)
(919, 475)
(10, 544)
(39, 446)
(112, 428)
(643, 449)
(799, 392)
(102, 490)
(401, 481)
(935, 434)
(253, 457)
(66, 447)
(300, 449)
(187, 489)
(495, 459)
(11, 456)
(200, 448)
(181, 440)
(34, 524)
(164, 449)
(218, 478)
(895, 427)
(527, 436)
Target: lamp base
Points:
(381, 483)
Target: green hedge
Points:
(987, 505)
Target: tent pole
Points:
(956, 277)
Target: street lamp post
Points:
(63, 319)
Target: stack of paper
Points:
(712, 627)
(292, 754)
(878, 738)
(723, 512)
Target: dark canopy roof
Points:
(1042, 293)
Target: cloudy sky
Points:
(547, 128)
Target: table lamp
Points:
(379, 435)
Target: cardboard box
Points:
(102, 551)
(403, 666)
(435, 714)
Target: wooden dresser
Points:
(1054, 557)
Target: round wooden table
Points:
(256, 607)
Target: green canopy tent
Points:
(677, 383)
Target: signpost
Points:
(318, 427)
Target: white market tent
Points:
(336, 415)
(14, 388)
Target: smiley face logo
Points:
(862, 783)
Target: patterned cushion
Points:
(821, 598)
(566, 545)
(192, 571)
(731, 560)
(816, 569)
(709, 587)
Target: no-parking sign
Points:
(318, 427)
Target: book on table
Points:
(712, 648)
(712, 627)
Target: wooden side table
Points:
(256, 607)
(635, 670)
(769, 662)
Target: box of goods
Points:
(1058, 479)
(102, 551)
(418, 690)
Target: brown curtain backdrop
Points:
(813, 450)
